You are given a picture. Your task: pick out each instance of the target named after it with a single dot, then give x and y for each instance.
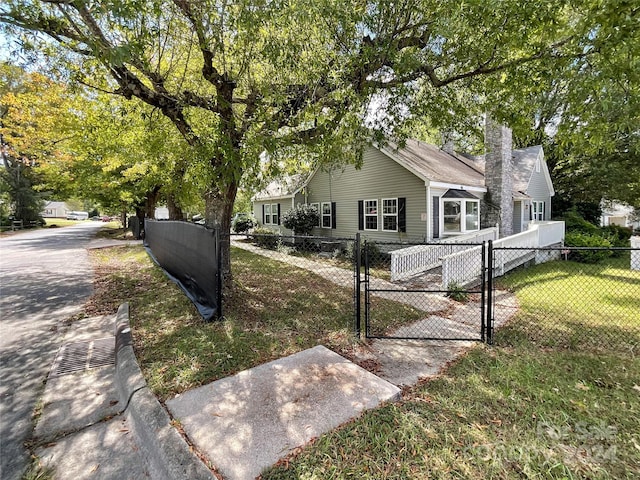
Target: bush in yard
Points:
(577, 239)
(301, 219)
(617, 235)
(243, 224)
(265, 238)
(456, 292)
(574, 222)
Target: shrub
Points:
(243, 224)
(265, 238)
(574, 222)
(301, 219)
(377, 258)
(577, 239)
(456, 292)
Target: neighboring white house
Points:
(55, 210)
(614, 213)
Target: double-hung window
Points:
(538, 211)
(371, 214)
(271, 214)
(267, 214)
(326, 215)
(390, 214)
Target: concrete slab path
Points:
(247, 422)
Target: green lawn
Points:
(273, 310)
(517, 410)
(528, 407)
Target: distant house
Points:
(419, 192)
(56, 210)
(614, 213)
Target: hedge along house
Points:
(419, 192)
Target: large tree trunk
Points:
(150, 203)
(218, 209)
(175, 210)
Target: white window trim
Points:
(463, 215)
(389, 215)
(364, 204)
(322, 215)
(537, 212)
(273, 209)
(317, 205)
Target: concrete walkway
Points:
(81, 431)
(102, 422)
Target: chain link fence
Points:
(570, 297)
(307, 278)
(425, 280)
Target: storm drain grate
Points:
(79, 356)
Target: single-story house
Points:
(55, 210)
(419, 192)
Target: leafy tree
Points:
(15, 181)
(293, 78)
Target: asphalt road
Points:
(45, 277)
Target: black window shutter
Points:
(263, 222)
(435, 205)
(360, 215)
(278, 214)
(333, 215)
(402, 215)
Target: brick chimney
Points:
(498, 177)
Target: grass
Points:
(59, 222)
(273, 310)
(597, 304)
(518, 410)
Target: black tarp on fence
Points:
(188, 253)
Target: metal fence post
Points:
(358, 267)
(490, 294)
(483, 297)
(219, 274)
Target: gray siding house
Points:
(417, 192)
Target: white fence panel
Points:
(465, 267)
(410, 261)
(462, 267)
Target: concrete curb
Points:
(163, 449)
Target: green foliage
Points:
(265, 237)
(243, 224)
(575, 222)
(16, 180)
(577, 239)
(581, 233)
(301, 219)
(456, 292)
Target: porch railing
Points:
(410, 261)
(461, 268)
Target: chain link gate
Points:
(442, 291)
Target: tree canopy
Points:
(298, 77)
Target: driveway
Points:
(45, 277)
